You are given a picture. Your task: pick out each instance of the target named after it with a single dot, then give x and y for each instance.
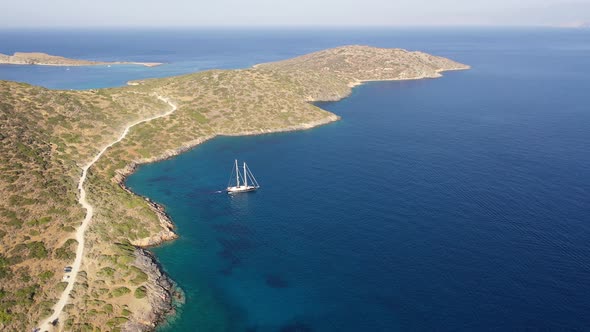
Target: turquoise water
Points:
(452, 204)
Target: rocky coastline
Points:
(61, 127)
(163, 292)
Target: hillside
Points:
(47, 135)
(329, 74)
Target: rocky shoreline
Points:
(163, 293)
(212, 103)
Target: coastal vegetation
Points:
(47, 135)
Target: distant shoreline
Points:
(146, 64)
(44, 59)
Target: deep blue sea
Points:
(451, 204)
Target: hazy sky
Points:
(28, 13)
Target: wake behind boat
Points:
(244, 182)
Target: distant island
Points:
(64, 156)
(43, 59)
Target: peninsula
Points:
(65, 154)
(43, 59)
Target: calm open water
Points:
(452, 204)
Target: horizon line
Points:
(289, 26)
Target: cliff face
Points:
(46, 135)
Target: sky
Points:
(325, 13)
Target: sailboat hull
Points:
(240, 189)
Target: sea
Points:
(453, 204)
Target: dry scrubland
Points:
(46, 136)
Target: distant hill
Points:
(43, 59)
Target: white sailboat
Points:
(244, 182)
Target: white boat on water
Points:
(244, 182)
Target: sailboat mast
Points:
(237, 175)
(245, 176)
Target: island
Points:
(43, 59)
(64, 156)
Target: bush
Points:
(4, 270)
(37, 249)
(140, 292)
(61, 286)
(121, 291)
(44, 276)
(140, 277)
(26, 295)
(40, 221)
(108, 308)
(69, 229)
(117, 321)
(5, 317)
(106, 272)
(65, 252)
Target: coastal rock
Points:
(163, 294)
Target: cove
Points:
(456, 203)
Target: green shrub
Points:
(65, 252)
(106, 272)
(40, 221)
(117, 321)
(25, 295)
(61, 286)
(5, 317)
(37, 249)
(140, 277)
(121, 291)
(108, 308)
(46, 308)
(69, 229)
(4, 270)
(44, 276)
(140, 292)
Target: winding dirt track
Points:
(65, 296)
